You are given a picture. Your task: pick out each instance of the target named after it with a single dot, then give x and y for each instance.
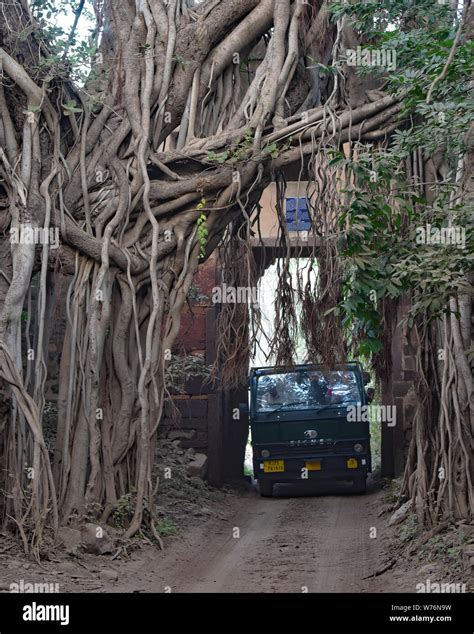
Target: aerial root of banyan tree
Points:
(171, 131)
(440, 483)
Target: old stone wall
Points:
(186, 415)
(399, 391)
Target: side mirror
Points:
(370, 393)
(243, 409)
(366, 377)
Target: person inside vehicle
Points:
(344, 388)
(319, 389)
(271, 397)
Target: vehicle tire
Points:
(360, 485)
(265, 488)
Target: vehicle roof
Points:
(348, 365)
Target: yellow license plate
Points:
(272, 466)
(352, 463)
(313, 465)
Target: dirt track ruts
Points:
(281, 544)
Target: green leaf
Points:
(70, 108)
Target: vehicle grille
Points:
(320, 450)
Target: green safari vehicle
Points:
(306, 425)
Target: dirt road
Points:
(241, 542)
(281, 544)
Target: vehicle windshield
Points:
(306, 389)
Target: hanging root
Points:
(32, 481)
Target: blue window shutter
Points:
(297, 214)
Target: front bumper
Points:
(295, 468)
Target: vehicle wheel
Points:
(360, 485)
(265, 488)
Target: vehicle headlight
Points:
(264, 453)
(358, 447)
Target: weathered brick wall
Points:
(399, 391)
(205, 421)
(186, 416)
(187, 413)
